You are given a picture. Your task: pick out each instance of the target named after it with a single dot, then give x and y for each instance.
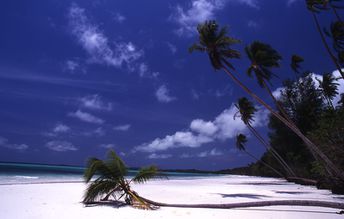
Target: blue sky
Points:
(80, 77)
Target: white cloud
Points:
(172, 47)
(252, 24)
(195, 95)
(61, 128)
(213, 152)
(144, 71)
(4, 143)
(95, 102)
(125, 127)
(198, 12)
(179, 139)
(163, 95)
(250, 3)
(71, 66)
(61, 146)
(119, 17)
(98, 132)
(200, 132)
(159, 156)
(107, 146)
(203, 127)
(290, 2)
(97, 45)
(86, 117)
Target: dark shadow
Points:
(114, 204)
(260, 183)
(286, 210)
(243, 195)
(339, 197)
(291, 192)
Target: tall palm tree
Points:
(110, 181)
(334, 7)
(218, 47)
(315, 6)
(337, 35)
(246, 110)
(295, 63)
(263, 57)
(240, 145)
(328, 87)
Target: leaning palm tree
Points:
(337, 35)
(110, 181)
(263, 57)
(316, 6)
(240, 145)
(295, 63)
(328, 87)
(217, 45)
(246, 109)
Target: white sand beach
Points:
(62, 200)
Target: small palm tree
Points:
(110, 181)
(246, 110)
(241, 140)
(295, 63)
(328, 87)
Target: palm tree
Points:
(315, 6)
(263, 57)
(334, 8)
(218, 47)
(246, 110)
(337, 35)
(295, 63)
(328, 87)
(240, 145)
(110, 181)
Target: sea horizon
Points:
(30, 173)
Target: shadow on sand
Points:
(114, 204)
(243, 195)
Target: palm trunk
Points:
(273, 151)
(278, 105)
(325, 204)
(333, 57)
(267, 165)
(311, 146)
(335, 13)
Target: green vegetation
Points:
(110, 181)
(306, 138)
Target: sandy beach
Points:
(62, 200)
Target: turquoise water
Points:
(17, 173)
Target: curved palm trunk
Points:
(333, 57)
(336, 13)
(335, 205)
(311, 146)
(273, 151)
(267, 165)
(278, 105)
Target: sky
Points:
(78, 78)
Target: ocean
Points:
(23, 173)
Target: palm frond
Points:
(196, 47)
(95, 166)
(146, 174)
(99, 188)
